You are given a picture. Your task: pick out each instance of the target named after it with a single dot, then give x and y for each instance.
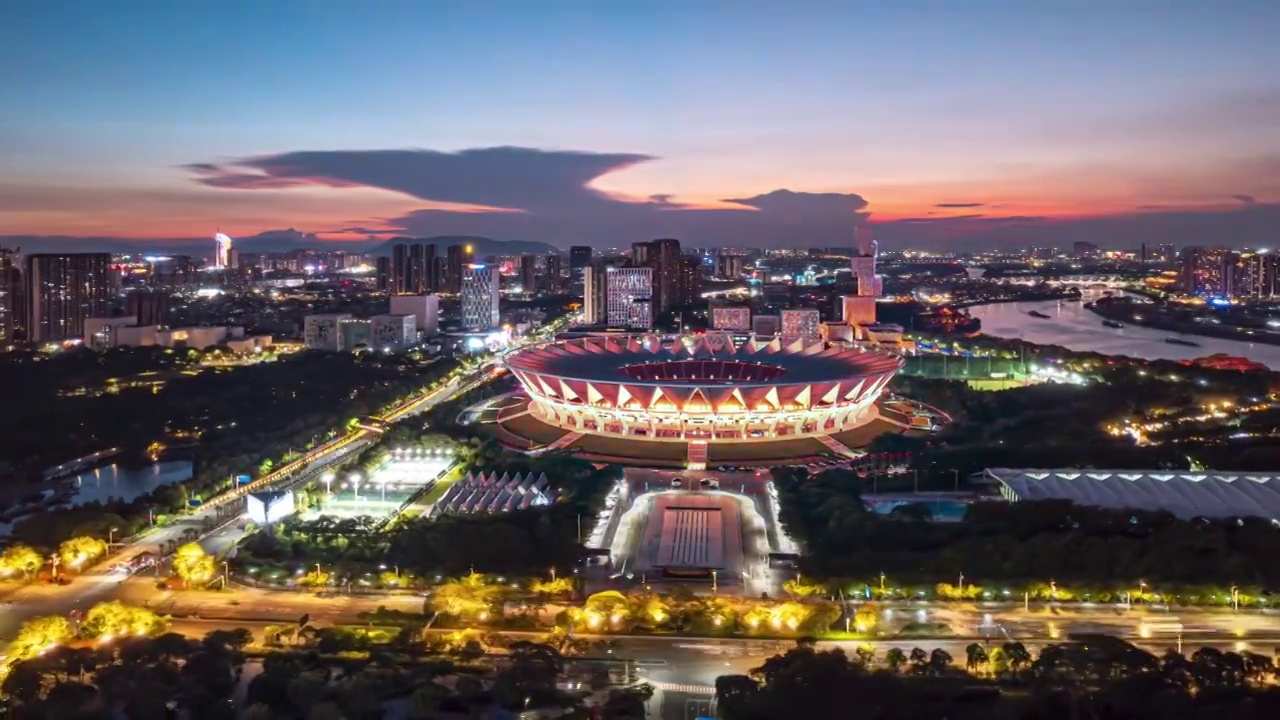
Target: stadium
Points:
(705, 390)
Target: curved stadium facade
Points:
(711, 388)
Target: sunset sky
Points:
(746, 123)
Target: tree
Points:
(193, 565)
(470, 596)
(20, 559)
(800, 590)
(894, 659)
(114, 619)
(39, 635)
(975, 657)
(80, 552)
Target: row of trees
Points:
(1010, 545)
(25, 562)
(325, 675)
(1094, 677)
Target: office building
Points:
(411, 269)
(579, 259)
(393, 332)
(735, 319)
(148, 307)
(8, 295)
(459, 260)
(641, 313)
(663, 257)
(1206, 271)
(528, 274)
(323, 332)
(595, 294)
(624, 287)
(802, 322)
(62, 291)
(480, 292)
(425, 310)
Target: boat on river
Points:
(1037, 314)
(1113, 323)
(1181, 341)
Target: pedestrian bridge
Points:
(1087, 281)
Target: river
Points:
(1072, 326)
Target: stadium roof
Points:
(1185, 494)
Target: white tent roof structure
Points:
(1185, 494)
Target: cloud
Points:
(959, 205)
(1246, 199)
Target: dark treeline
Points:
(1020, 542)
(1098, 678)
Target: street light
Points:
(111, 536)
(327, 479)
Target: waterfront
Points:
(1072, 326)
(114, 481)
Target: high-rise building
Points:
(528, 274)
(862, 311)
(730, 266)
(1254, 276)
(148, 307)
(766, 325)
(1166, 253)
(690, 279)
(480, 292)
(459, 260)
(625, 286)
(595, 294)
(63, 290)
(400, 269)
(663, 257)
(801, 322)
(1206, 271)
(1082, 249)
(555, 282)
(8, 295)
(579, 259)
(418, 264)
(382, 274)
(222, 259)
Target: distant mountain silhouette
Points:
(264, 242)
(481, 246)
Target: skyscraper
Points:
(663, 257)
(1255, 276)
(460, 256)
(63, 290)
(625, 287)
(7, 294)
(579, 259)
(480, 293)
(222, 252)
(148, 307)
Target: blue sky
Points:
(1054, 110)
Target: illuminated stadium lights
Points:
(704, 387)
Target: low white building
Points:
(321, 332)
(393, 332)
(103, 332)
(425, 310)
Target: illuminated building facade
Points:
(624, 287)
(222, 259)
(62, 291)
(1206, 271)
(862, 309)
(731, 318)
(802, 322)
(480, 293)
(702, 387)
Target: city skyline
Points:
(1003, 125)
